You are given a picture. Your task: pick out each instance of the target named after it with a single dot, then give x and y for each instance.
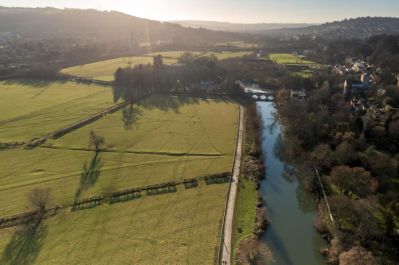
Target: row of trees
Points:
(133, 82)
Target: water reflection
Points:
(291, 235)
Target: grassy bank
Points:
(249, 220)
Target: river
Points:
(291, 236)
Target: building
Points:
(359, 67)
(355, 87)
(366, 78)
(298, 94)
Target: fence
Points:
(115, 197)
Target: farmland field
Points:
(288, 58)
(296, 65)
(30, 109)
(157, 140)
(175, 54)
(62, 171)
(104, 70)
(228, 55)
(177, 228)
(220, 55)
(238, 44)
(192, 128)
(175, 140)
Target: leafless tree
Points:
(96, 141)
(39, 199)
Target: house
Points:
(354, 87)
(298, 94)
(366, 78)
(359, 67)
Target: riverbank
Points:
(250, 220)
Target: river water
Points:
(291, 209)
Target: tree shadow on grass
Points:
(166, 102)
(34, 82)
(25, 245)
(90, 175)
(130, 115)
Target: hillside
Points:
(237, 27)
(52, 22)
(346, 29)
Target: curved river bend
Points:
(291, 209)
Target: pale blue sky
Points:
(247, 11)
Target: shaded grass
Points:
(175, 228)
(24, 244)
(32, 109)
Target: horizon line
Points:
(198, 20)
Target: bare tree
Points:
(39, 199)
(96, 141)
(357, 255)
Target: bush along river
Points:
(291, 235)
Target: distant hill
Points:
(237, 27)
(52, 22)
(346, 29)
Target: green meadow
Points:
(31, 109)
(176, 228)
(296, 65)
(164, 125)
(104, 70)
(157, 140)
(289, 59)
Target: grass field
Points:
(189, 127)
(220, 55)
(238, 44)
(175, 54)
(162, 139)
(292, 60)
(104, 70)
(31, 109)
(228, 55)
(62, 171)
(288, 58)
(178, 228)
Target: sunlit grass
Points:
(31, 109)
(177, 228)
(104, 70)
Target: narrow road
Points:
(228, 228)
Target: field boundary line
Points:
(132, 152)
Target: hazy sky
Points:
(247, 11)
